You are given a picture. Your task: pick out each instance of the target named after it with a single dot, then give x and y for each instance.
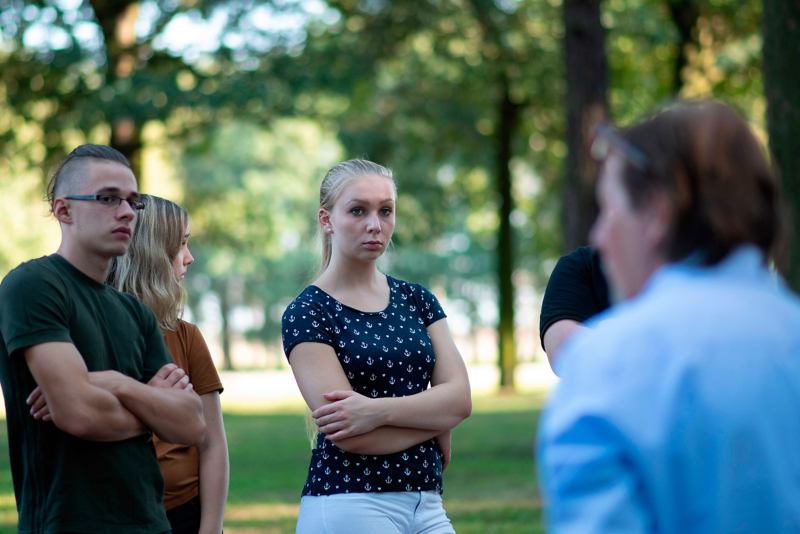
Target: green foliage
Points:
(252, 194)
(414, 85)
(723, 61)
(424, 88)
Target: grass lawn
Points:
(490, 486)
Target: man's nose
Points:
(125, 210)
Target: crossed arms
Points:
(107, 405)
(363, 425)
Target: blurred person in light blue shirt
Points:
(679, 411)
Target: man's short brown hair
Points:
(64, 176)
(716, 175)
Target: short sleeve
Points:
(34, 308)
(570, 292)
(305, 322)
(156, 355)
(202, 373)
(429, 306)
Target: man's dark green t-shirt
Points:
(63, 483)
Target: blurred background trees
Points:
(781, 55)
(483, 109)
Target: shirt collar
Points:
(744, 262)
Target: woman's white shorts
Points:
(403, 512)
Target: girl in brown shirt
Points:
(195, 478)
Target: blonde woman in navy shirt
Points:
(364, 348)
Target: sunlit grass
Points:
(490, 486)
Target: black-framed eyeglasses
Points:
(109, 201)
(606, 139)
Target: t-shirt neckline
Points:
(389, 281)
(77, 273)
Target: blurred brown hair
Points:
(717, 177)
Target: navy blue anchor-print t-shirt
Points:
(383, 354)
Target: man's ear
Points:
(61, 211)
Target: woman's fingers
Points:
(342, 434)
(325, 410)
(338, 395)
(446, 461)
(332, 418)
(333, 427)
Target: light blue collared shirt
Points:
(680, 411)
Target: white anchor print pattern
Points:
(368, 346)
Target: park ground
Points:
(490, 486)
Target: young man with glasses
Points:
(85, 372)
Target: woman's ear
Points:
(325, 221)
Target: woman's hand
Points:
(445, 442)
(349, 414)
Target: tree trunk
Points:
(781, 19)
(118, 20)
(509, 116)
(224, 310)
(126, 136)
(684, 14)
(587, 82)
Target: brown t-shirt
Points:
(180, 465)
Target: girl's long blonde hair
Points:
(146, 270)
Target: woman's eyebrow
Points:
(359, 201)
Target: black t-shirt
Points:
(63, 483)
(383, 354)
(576, 290)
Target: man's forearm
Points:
(176, 416)
(103, 417)
(386, 440)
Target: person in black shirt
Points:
(363, 348)
(576, 291)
